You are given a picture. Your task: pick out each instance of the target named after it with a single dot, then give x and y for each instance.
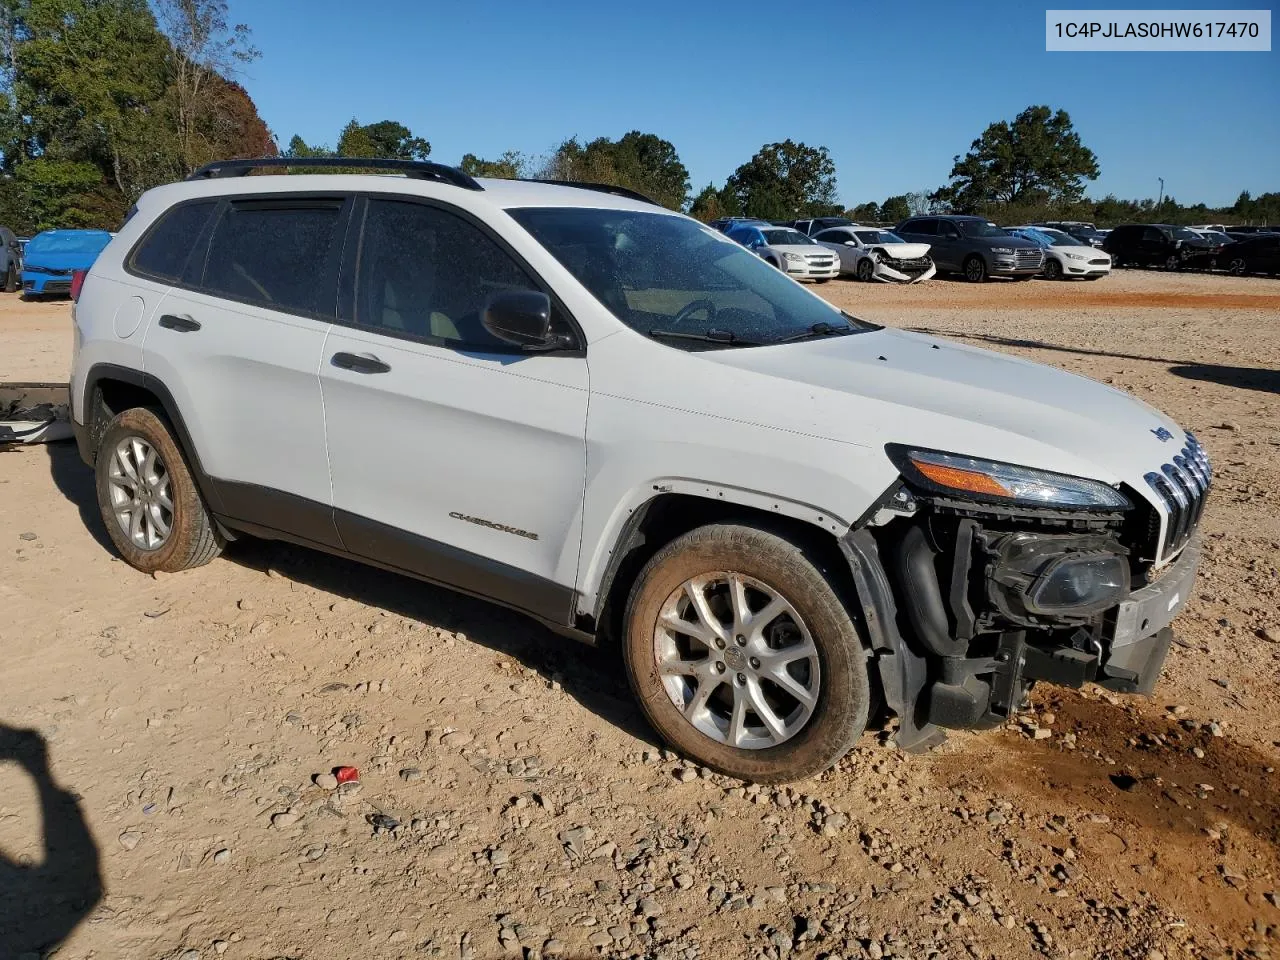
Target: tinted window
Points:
(274, 253)
(927, 226)
(833, 236)
(1151, 233)
(165, 251)
(427, 273)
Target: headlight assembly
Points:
(794, 257)
(973, 478)
(1004, 250)
(1074, 256)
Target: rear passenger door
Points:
(454, 455)
(238, 342)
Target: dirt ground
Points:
(180, 722)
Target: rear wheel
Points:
(1172, 262)
(11, 279)
(975, 269)
(1052, 270)
(149, 501)
(1237, 267)
(743, 657)
(866, 269)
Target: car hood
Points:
(891, 386)
(59, 259)
(904, 251)
(1084, 251)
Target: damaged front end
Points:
(905, 270)
(973, 600)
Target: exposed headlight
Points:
(794, 257)
(974, 478)
(1008, 250)
(1075, 256)
(1080, 581)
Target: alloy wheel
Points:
(141, 500)
(737, 660)
(1237, 267)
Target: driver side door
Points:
(453, 455)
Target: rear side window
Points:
(275, 254)
(928, 227)
(165, 252)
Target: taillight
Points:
(77, 283)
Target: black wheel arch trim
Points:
(153, 385)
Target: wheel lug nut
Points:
(742, 678)
(720, 666)
(719, 644)
(755, 663)
(742, 641)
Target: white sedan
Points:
(789, 250)
(1064, 255)
(872, 254)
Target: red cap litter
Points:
(347, 775)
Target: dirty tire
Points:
(844, 695)
(193, 539)
(975, 269)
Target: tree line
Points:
(102, 99)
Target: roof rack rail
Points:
(419, 169)
(599, 188)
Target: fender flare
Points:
(95, 425)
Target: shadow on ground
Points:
(75, 481)
(43, 900)
(1243, 378)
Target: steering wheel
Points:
(689, 309)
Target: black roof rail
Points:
(418, 169)
(599, 188)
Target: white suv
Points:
(612, 418)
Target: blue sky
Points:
(893, 90)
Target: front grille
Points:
(1182, 486)
(822, 261)
(1100, 263)
(51, 271)
(57, 286)
(1028, 258)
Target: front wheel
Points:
(866, 269)
(1052, 270)
(975, 269)
(149, 501)
(743, 657)
(1237, 267)
(1172, 262)
(11, 280)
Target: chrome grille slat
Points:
(1182, 485)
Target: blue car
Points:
(53, 256)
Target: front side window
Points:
(165, 253)
(275, 254)
(426, 273)
(878, 236)
(662, 274)
(980, 228)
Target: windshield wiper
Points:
(725, 337)
(819, 329)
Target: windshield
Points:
(1057, 238)
(777, 238)
(878, 236)
(86, 241)
(660, 272)
(1182, 233)
(979, 228)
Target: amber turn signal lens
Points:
(953, 478)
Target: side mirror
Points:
(850, 243)
(521, 317)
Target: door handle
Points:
(182, 324)
(360, 363)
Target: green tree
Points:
(643, 162)
(786, 179)
(1038, 158)
(895, 209)
(299, 149)
(713, 203)
(385, 139)
(512, 165)
(864, 212)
